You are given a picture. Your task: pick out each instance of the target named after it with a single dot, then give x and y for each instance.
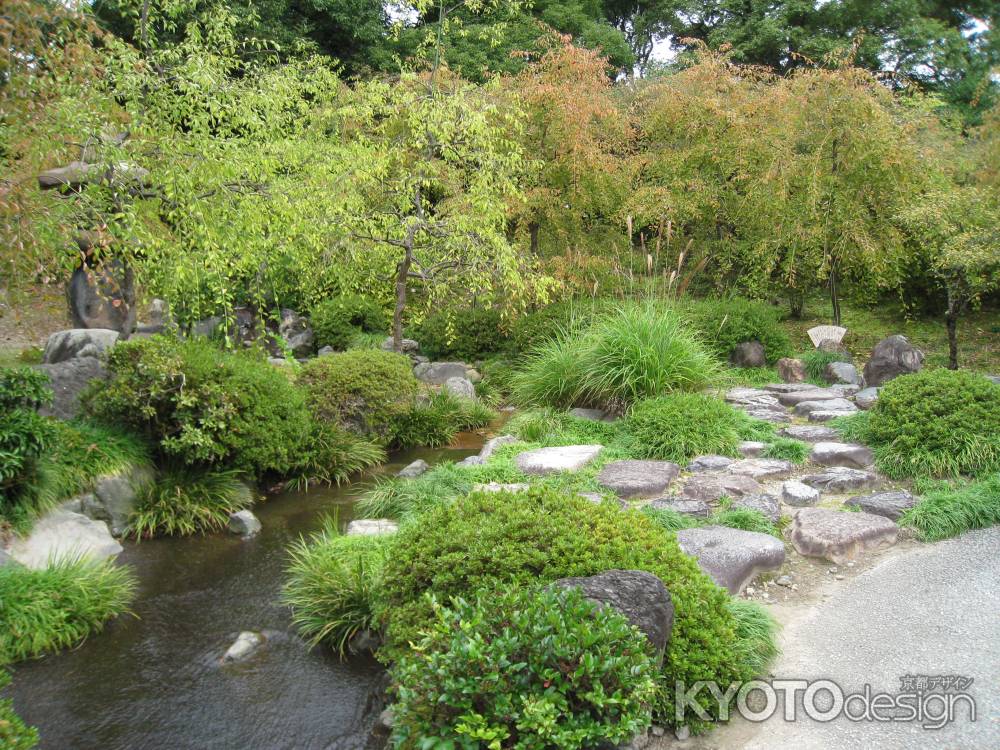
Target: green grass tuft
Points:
(786, 449)
(746, 519)
(756, 642)
(669, 519)
(944, 513)
(188, 501)
(680, 426)
(815, 362)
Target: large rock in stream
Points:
(63, 534)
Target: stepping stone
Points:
(842, 454)
(708, 463)
(562, 458)
(846, 389)
(696, 508)
(763, 503)
(825, 415)
(767, 415)
(371, 527)
(751, 448)
(502, 487)
(761, 468)
(413, 470)
(593, 415)
(840, 536)
(709, 487)
(866, 398)
(490, 446)
(841, 479)
(809, 433)
(890, 505)
(638, 478)
(732, 557)
(735, 395)
(803, 408)
(789, 387)
(754, 398)
(813, 394)
(799, 495)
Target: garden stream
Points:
(155, 680)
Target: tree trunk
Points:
(796, 305)
(533, 228)
(951, 321)
(834, 300)
(402, 275)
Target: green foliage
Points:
(725, 323)
(83, 451)
(364, 390)
(465, 334)
(524, 669)
(14, 734)
(435, 422)
(407, 498)
(338, 321)
(561, 428)
(495, 541)
(670, 520)
(680, 426)
(947, 512)
(184, 501)
(332, 584)
(57, 607)
(535, 328)
(756, 635)
(24, 438)
(332, 455)
(202, 406)
(815, 362)
(788, 450)
(936, 423)
(746, 519)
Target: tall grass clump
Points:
(552, 373)
(438, 420)
(680, 426)
(786, 449)
(815, 362)
(333, 581)
(332, 455)
(184, 501)
(944, 513)
(57, 607)
(82, 452)
(746, 519)
(756, 635)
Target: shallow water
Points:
(155, 681)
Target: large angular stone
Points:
(762, 503)
(892, 357)
(103, 296)
(732, 557)
(709, 487)
(708, 463)
(803, 408)
(791, 398)
(413, 469)
(761, 468)
(842, 372)
(638, 478)
(407, 346)
(840, 536)
(371, 527)
(78, 342)
(438, 373)
(841, 479)
(789, 387)
(297, 333)
(640, 596)
(798, 494)
(243, 523)
(696, 508)
(562, 458)
(751, 448)
(67, 381)
(791, 370)
(592, 415)
(461, 387)
(748, 354)
(865, 399)
(116, 495)
(491, 445)
(809, 433)
(891, 505)
(63, 534)
(769, 415)
(851, 455)
(825, 415)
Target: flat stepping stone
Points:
(732, 557)
(708, 463)
(696, 508)
(812, 394)
(847, 390)
(372, 527)
(809, 433)
(841, 479)
(502, 487)
(736, 395)
(631, 478)
(889, 505)
(593, 415)
(709, 487)
(762, 503)
(754, 398)
(751, 448)
(798, 494)
(865, 399)
(766, 415)
(825, 415)
(761, 468)
(543, 461)
(803, 408)
(851, 455)
(840, 536)
(789, 387)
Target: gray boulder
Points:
(67, 380)
(413, 469)
(78, 342)
(751, 448)
(798, 494)
(842, 454)
(207, 327)
(551, 460)
(710, 487)
(994, 379)
(244, 523)
(769, 415)
(409, 346)
(890, 505)
(594, 415)
(791, 398)
(696, 508)
(732, 557)
(461, 387)
(438, 373)
(842, 372)
(762, 503)
(761, 468)
(892, 357)
(748, 354)
(470, 461)
(115, 497)
(297, 333)
(825, 415)
(62, 534)
(791, 370)
(708, 463)
(640, 596)
(804, 408)
(245, 646)
(638, 478)
(371, 527)
(789, 387)
(324, 351)
(840, 536)
(841, 479)
(754, 398)
(865, 399)
(491, 445)
(809, 433)
(103, 297)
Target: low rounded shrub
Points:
(466, 334)
(338, 320)
(201, 406)
(496, 541)
(524, 669)
(937, 423)
(680, 426)
(364, 390)
(723, 324)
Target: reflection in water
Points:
(154, 680)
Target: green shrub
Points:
(47, 610)
(532, 329)
(467, 335)
(337, 321)
(184, 501)
(24, 438)
(552, 373)
(746, 519)
(786, 449)
(202, 406)
(363, 390)
(725, 323)
(680, 426)
(935, 423)
(524, 669)
(756, 635)
(14, 733)
(83, 452)
(498, 540)
(332, 584)
(815, 362)
(944, 513)
(436, 421)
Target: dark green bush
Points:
(725, 323)
(935, 423)
(14, 733)
(524, 669)
(680, 426)
(498, 540)
(204, 407)
(364, 390)
(82, 452)
(466, 335)
(24, 438)
(947, 512)
(337, 321)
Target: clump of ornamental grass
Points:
(746, 519)
(83, 451)
(185, 501)
(332, 455)
(756, 640)
(816, 361)
(436, 421)
(680, 426)
(947, 512)
(786, 449)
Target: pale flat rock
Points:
(825, 415)
(732, 557)
(840, 536)
(751, 448)
(843, 372)
(491, 445)
(762, 503)
(438, 373)
(761, 468)
(769, 415)
(799, 495)
(738, 394)
(789, 387)
(638, 478)
(809, 433)
(562, 458)
(372, 527)
(803, 408)
(841, 479)
(591, 415)
(245, 645)
(791, 398)
(708, 463)
(890, 505)
(244, 523)
(709, 487)
(851, 455)
(502, 487)
(78, 342)
(696, 508)
(63, 534)
(847, 390)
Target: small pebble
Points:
(839, 578)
